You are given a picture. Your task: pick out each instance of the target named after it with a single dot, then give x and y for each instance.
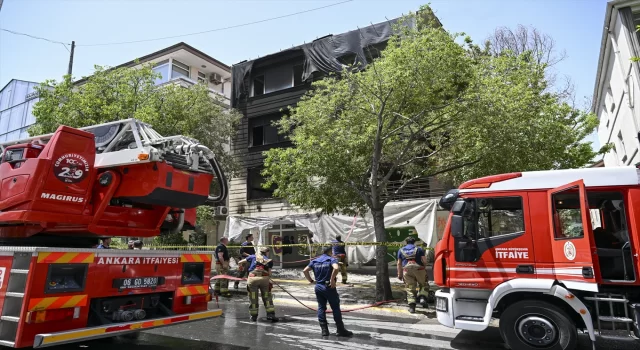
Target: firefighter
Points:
(340, 254)
(259, 270)
(222, 268)
(246, 250)
(325, 269)
(411, 270)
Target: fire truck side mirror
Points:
(457, 226)
(448, 200)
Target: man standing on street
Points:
(259, 272)
(325, 269)
(340, 253)
(246, 250)
(222, 268)
(411, 269)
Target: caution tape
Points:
(301, 245)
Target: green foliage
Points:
(354, 131)
(427, 107)
(513, 122)
(170, 239)
(121, 93)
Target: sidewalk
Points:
(360, 289)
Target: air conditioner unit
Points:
(215, 78)
(222, 211)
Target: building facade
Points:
(262, 91)
(178, 64)
(17, 99)
(616, 97)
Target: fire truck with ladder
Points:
(551, 254)
(60, 193)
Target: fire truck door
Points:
(572, 240)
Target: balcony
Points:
(187, 83)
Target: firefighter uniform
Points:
(413, 272)
(245, 250)
(322, 268)
(259, 272)
(221, 286)
(340, 253)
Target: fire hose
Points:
(376, 304)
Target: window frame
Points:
(522, 217)
(553, 216)
(176, 63)
(202, 77)
(261, 121)
(255, 171)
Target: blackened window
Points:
(263, 132)
(297, 75)
(254, 185)
(258, 85)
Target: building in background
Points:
(178, 64)
(262, 88)
(616, 96)
(16, 109)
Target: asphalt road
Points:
(298, 329)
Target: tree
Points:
(426, 107)
(540, 47)
(121, 93)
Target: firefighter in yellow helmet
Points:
(259, 271)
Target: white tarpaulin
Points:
(421, 214)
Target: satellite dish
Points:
(104, 134)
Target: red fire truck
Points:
(61, 193)
(547, 253)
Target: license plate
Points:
(441, 304)
(135, 282)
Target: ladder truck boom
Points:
(120, 178)
(60, 193)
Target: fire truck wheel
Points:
(530, 324)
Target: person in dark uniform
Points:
(325, 269)
(222, 268)
(411, 270)
(246, 250)
(340, 253)
(259, 271)
(106, 242)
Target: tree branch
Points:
(423, 175)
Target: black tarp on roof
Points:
(320, 55)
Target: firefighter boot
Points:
(325, 328)
(271, 316)
(412, 308)
(342, 332)
(254, 318)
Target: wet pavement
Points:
(375, 328)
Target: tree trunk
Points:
(383, 284)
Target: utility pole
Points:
(1, 4)
(73, 46)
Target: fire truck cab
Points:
(547, 253)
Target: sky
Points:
(576, 25)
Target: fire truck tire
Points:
(532, 324)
